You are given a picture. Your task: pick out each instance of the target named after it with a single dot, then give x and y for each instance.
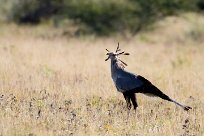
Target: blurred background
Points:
(100, 17)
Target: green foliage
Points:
(102, 16)
(32, 11)
(200, 4)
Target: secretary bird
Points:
(129, 83)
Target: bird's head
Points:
(115, 55)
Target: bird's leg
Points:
(134, 102)
(127, 99)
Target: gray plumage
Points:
(129, 83)
(123, 80)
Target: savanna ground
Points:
(53, 84)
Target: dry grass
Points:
(54, 85)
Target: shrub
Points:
(102, 16)
(32, 11)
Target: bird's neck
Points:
(116, 66)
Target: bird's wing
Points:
(129, 81)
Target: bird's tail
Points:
(181, 105)
(153, 90)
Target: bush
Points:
(102, 16)
(105, 16)
(200, 5)
(32, 11)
